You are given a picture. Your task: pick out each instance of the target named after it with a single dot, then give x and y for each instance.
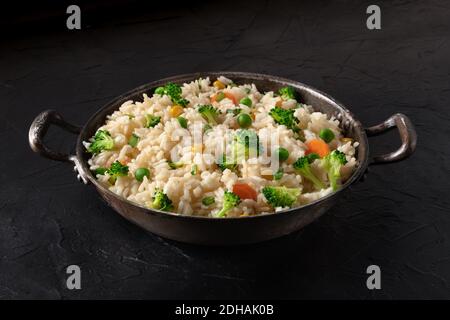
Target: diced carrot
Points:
(317, 146)
(244, 191)
(213, 97)
(230, 96)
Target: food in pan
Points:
(219, 149)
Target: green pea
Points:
(326, 135)
(220, 96)
(159, 90)
(134, 139)
(246, 101)
(183, 122)
(282, 154)
(208, 201)
(140, 173)
(244, 120)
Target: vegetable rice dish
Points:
(219, 149)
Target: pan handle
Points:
(38, 130)
(407, 133)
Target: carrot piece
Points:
(244, 191)
(230, 96)
(213, 98)
(317, 146)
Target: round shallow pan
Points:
(225, 231)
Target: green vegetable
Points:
(287, 93)
(303, 167)
(244, 120)
(280, 196)
(183, 122)
(174, 92)
(206, 128)
(279, 174)
(326, 135)
(312, 156)
(285, 117)
(102, 141)
(174, 165)
(194, 170)
(208, 201)
(246, 101)
(230, 200)
(220, 96)
(140, 173)
(100, 171)
(332, 163)
(245, 144)
(152, 120)
(209, 113)
(161, 201)
(117, 170)
(282, 154)
(160, 90)
(235, 111)
(223, 163)
(134, 139)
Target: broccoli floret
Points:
(280, 196)
(116, 170)
(332, 163)
(285, 117)
(224, 163)
(102, 141)
(161, 201)
(246, 141)
(279, 174)
(174, 165)
(312, 157)
(152, 120)
(101, 171)
(288, 93)
(230, 200)
(209, 113)
(173, 90)
(303, 167)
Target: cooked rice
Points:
(168, 141)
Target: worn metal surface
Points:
(397, 219)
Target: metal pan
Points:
(225, 231)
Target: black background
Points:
(398, 218)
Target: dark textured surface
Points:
(398, 218)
